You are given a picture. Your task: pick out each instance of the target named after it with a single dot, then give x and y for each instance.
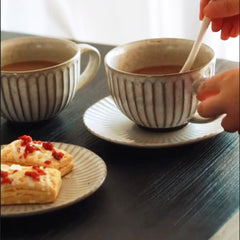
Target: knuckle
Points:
(228, 125)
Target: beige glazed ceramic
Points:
(87, 176)
(36, 95)
(157, 101)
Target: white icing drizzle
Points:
(20, 173)
(30, 181)
(16, 167)
(40, 155)
(4, 167)
(15, 176)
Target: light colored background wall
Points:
(112, 21)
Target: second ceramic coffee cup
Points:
(39, 94)
(157, 100)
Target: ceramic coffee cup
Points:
(144, 90)
(31, 95)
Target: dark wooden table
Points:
(182, 193)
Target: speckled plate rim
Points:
(46, 208)
(122, 141)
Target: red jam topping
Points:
(34, 175)
(4, 174)
(6, 181)
(15, 171)
(39, 171)
(47, 162)
(25, 139)
(48, 146)
(57, 155)
(30, 149)
(4, 178)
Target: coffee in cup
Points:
(145, 83)
(40, 76)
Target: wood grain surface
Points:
(181, 193)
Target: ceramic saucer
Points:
(106, 121)
(87, 176)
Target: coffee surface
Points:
(27, 65)
(161, 69)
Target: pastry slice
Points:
(25, 184)
(27, 152)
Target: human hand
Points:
(224, 15)
(220, 95)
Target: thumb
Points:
(221, 8)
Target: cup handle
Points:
(196, 117)
(198, 83)
(93, 64)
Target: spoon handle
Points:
(196, 46)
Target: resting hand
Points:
(224, 15)
(220, 95)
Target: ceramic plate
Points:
(87, 176)
(106, 121)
